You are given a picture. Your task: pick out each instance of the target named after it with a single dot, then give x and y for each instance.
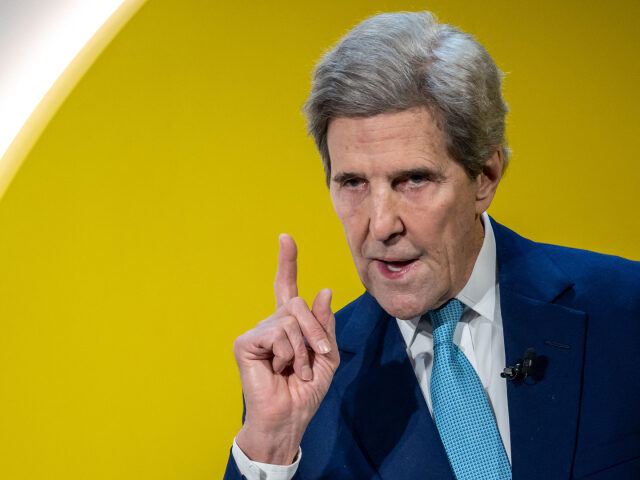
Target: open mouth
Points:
(397, 266)
(394, 268)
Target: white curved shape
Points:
(38, 40)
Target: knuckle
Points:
(287, 353)
(268, 322)
(239, 343)
(280, 351)
(301, 350)
(298, 303)
(316, 331)
(265, 322)
(283, 345)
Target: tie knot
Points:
(445, 319)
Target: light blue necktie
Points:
(461, 410)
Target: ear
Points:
(488, 181)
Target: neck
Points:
(477, 234)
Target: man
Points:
(405, 382)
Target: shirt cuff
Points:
(263, 471)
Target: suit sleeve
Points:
(232, 472)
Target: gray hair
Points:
(396, 61)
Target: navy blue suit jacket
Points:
(578, 309)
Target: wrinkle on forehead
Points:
(406, 136)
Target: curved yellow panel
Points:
(139, 238)
(11, 159)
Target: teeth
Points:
(393, 269)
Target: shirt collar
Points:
(479, 293)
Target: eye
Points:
(411, 180)
(352, 182)
(417, 179)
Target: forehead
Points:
(405, 137)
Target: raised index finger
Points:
(285, 285)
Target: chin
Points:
(401, 306)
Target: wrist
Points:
(274, 448)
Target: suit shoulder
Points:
(593, 276)
(598, 276)
(595, 268)
(356, 322)
(343, 315)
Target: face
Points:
(410, 213)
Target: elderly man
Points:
(405, 382)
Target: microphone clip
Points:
(522, 369)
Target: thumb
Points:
(321, 309)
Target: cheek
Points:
(429, 219)
(438, 223)
(355, 231)
(353, 218)
(341, 207)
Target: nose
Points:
(385, 222)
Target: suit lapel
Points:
(391, 423)
(390, 419)
(543, 413)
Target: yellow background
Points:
(139, 237)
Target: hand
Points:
(283, 378)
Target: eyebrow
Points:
(429, 173)
(344, 176)
(420, 171)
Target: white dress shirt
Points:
(479, 335)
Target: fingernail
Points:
(324, 346)
(307, 374)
